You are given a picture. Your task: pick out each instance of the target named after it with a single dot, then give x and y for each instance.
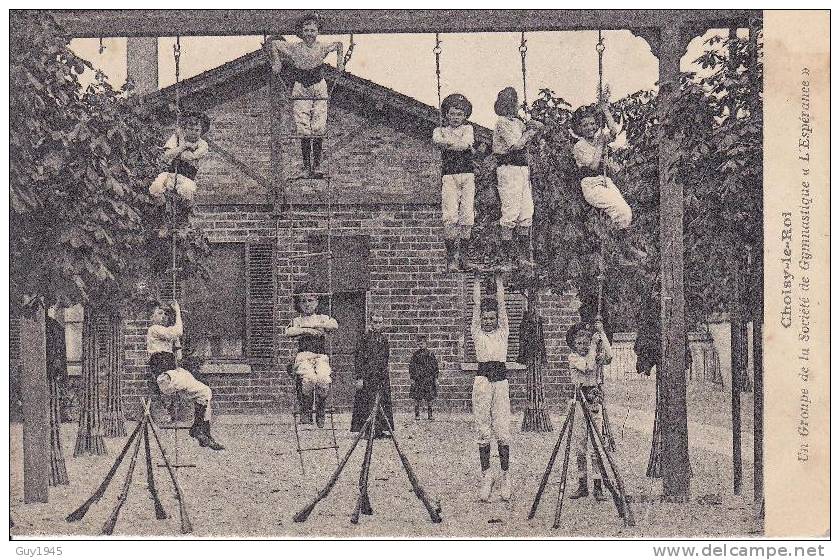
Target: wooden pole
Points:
(738, 343)
(675, 461)
(36, 414)
(564, 472)
(551, 460)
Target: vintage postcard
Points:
(294, 274)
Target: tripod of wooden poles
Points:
(363, 505)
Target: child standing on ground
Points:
(372, 356)
(598, 189)
(590, 349)
(312, 364)
(161, 342)
(423, 371)
(309, 92)
(510, 140)
(491, 390)
(455, 140)
(182, 154)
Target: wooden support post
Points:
(279, 119)
(675, 462)
(36, 412)
(738, 344)
(142, 63)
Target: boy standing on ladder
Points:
(510, 140)
(491, 390)
(312, 364)
(455, 138)
(310, 95)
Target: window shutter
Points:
(260, 305)
(515, 305)
(14, 339)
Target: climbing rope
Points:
(437, 50)
(523, 51)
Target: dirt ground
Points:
(255, 486)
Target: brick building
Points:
(386, 242)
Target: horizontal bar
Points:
(303, 136)
(179, 466)
(168, 23)
(308, 98)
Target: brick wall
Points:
(407, 286)
(385, 182)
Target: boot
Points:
(464, 261)
(524, 258)
(451, 255)
(207, 439)
(306, 409)
(320, 405)
(198, 420)
(582, 491)
(317, 148)
(598, 490)
(306, 152)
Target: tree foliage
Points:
(715, 119)
(82, 224)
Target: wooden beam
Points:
(167, 23)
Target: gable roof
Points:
(254, 70)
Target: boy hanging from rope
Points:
(312, 364)
(590, 349)
(182, 154)
(491, 389)
(510, 139)
(309, 92)
(455, 140)
(598, 189)
(161, 343)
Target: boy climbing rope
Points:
(510, 139)
(598, 189)
(312, 364)
(182, 154)
(590, 349)
(161, 344)
(491, 390)
(309, 92)
(455, 140)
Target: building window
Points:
(515, 305)
(214, 309)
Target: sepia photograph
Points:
(418, 274)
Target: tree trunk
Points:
(536, 418)
(738, 343)
(89, 438)
(36, 415)
(114, 416)
(58, 470)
